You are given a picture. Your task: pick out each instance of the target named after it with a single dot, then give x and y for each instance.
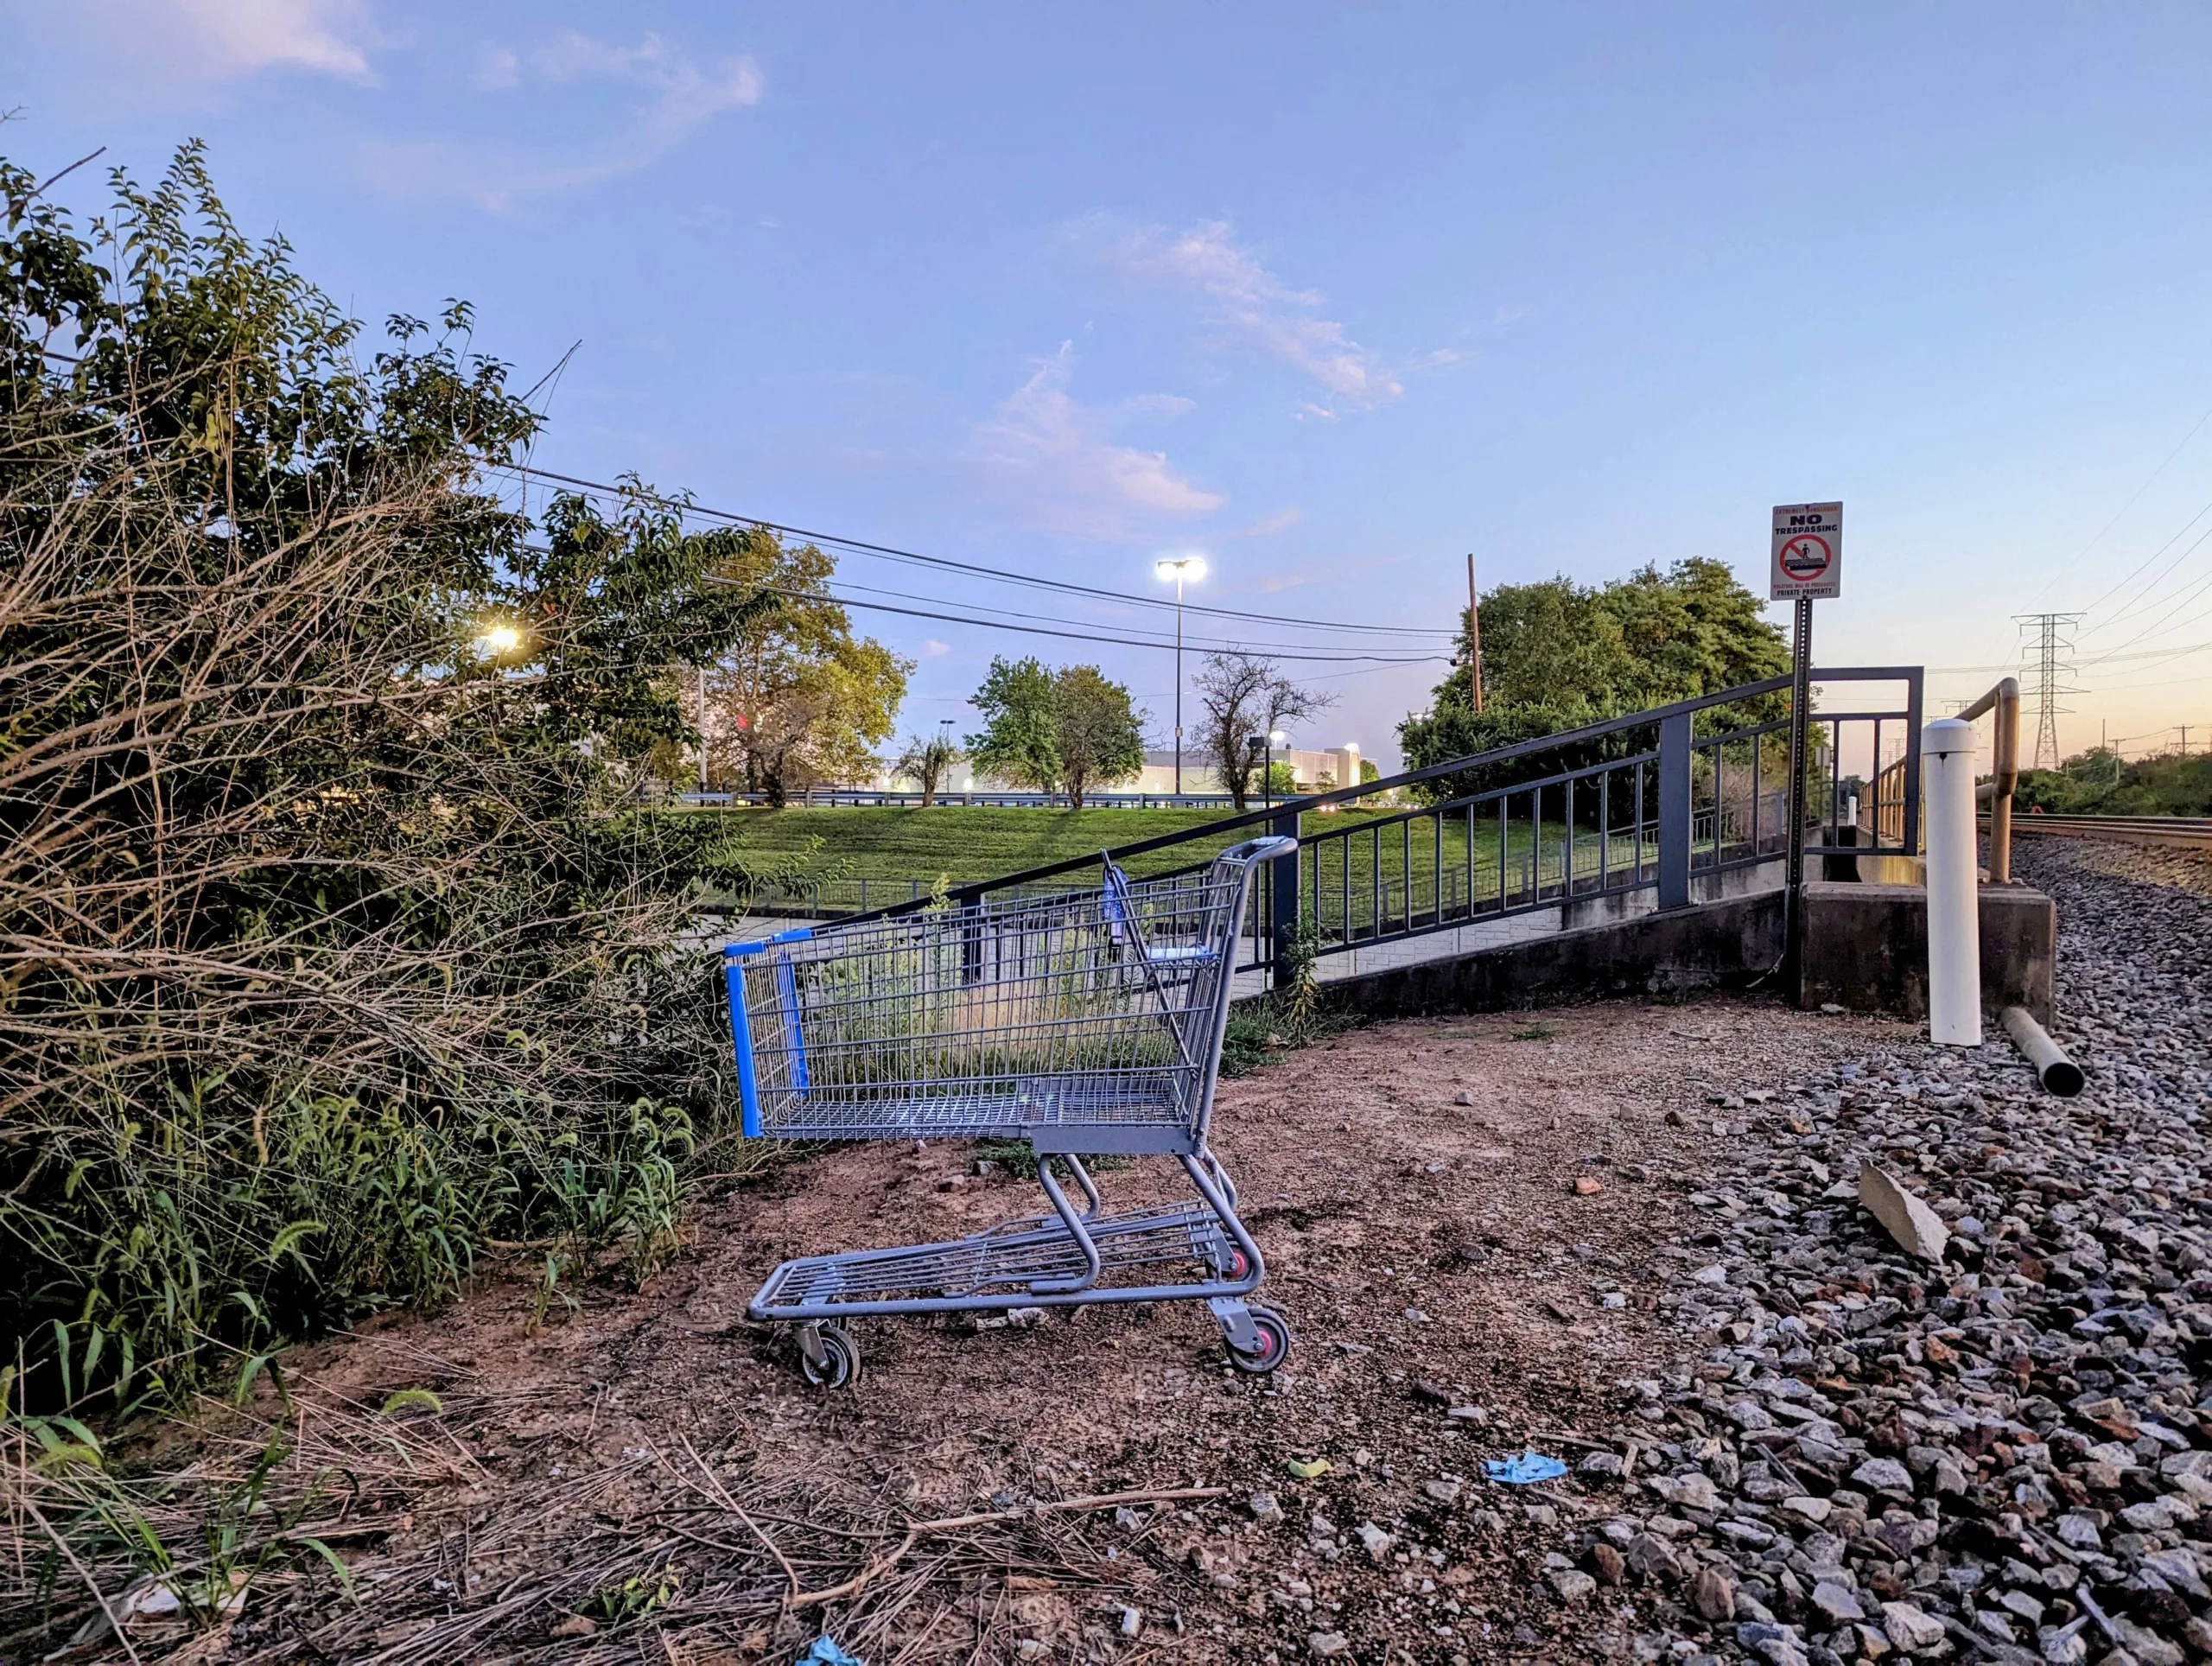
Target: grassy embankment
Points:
(872, 857)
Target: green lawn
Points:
(868, 857)
(856, 858)
(1380, 870)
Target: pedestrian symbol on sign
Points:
(1806, 557)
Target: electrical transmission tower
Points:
(2048, 670)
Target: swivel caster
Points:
(828, 1356)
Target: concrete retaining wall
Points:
(1866, 948)
(1720, 944)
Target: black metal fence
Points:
(1658, 808)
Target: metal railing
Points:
(869, 797)
(2004, 701)
(1658, 806)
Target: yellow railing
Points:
(2003, 700)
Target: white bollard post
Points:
(1954, 906)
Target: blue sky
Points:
(1332, 294)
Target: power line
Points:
(2145, 563)
(1379, 660)
(1165, 641)
(2130, 504)
(2094, 659)
(888, 552)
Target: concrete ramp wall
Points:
(1865, 948)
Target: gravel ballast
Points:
(2004, 1453)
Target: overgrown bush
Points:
(327, 953)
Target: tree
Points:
(587, 598)
(1098, 731)
(1242, 698)
(797, 698)
(1557, 655)
(925, 759)
(1070, 730)
(1020, 740)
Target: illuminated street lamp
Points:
(1275, 738)
(1181, 568)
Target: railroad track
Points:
(2187, 832)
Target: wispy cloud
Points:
(1058, 455)
(1240, 295)
(327, 36)
(1282, 521)
(680, 95)
(162, 49)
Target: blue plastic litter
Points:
(826, 1652)
(1526, 1470)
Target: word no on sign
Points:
(1807, 552)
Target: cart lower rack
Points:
(1083, 1024)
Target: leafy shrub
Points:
(330, 950)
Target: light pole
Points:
(1182, 567)
(1275, 738)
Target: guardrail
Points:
(1656, 805)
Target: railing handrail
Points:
(2003, 699)
(1291, 807)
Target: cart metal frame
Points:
(1089, 1023)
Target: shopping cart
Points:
(1084, 1023)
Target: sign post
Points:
(1807, 566)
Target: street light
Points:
(1180, 569)
(1275, 738)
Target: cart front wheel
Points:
(1274, 1344)
(841, 1365)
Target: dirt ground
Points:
(1429, 1254)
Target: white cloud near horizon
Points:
(1056, 456)
(1239, 294)
(681, 95)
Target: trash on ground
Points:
(1526, 1470)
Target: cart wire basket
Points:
(1084, 1023)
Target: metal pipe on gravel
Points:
(2058, 1074)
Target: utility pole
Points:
(1474, 638)
(2048, 668)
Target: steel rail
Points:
(2180, 832)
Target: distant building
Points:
(1314, 771)
(1320, 771)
